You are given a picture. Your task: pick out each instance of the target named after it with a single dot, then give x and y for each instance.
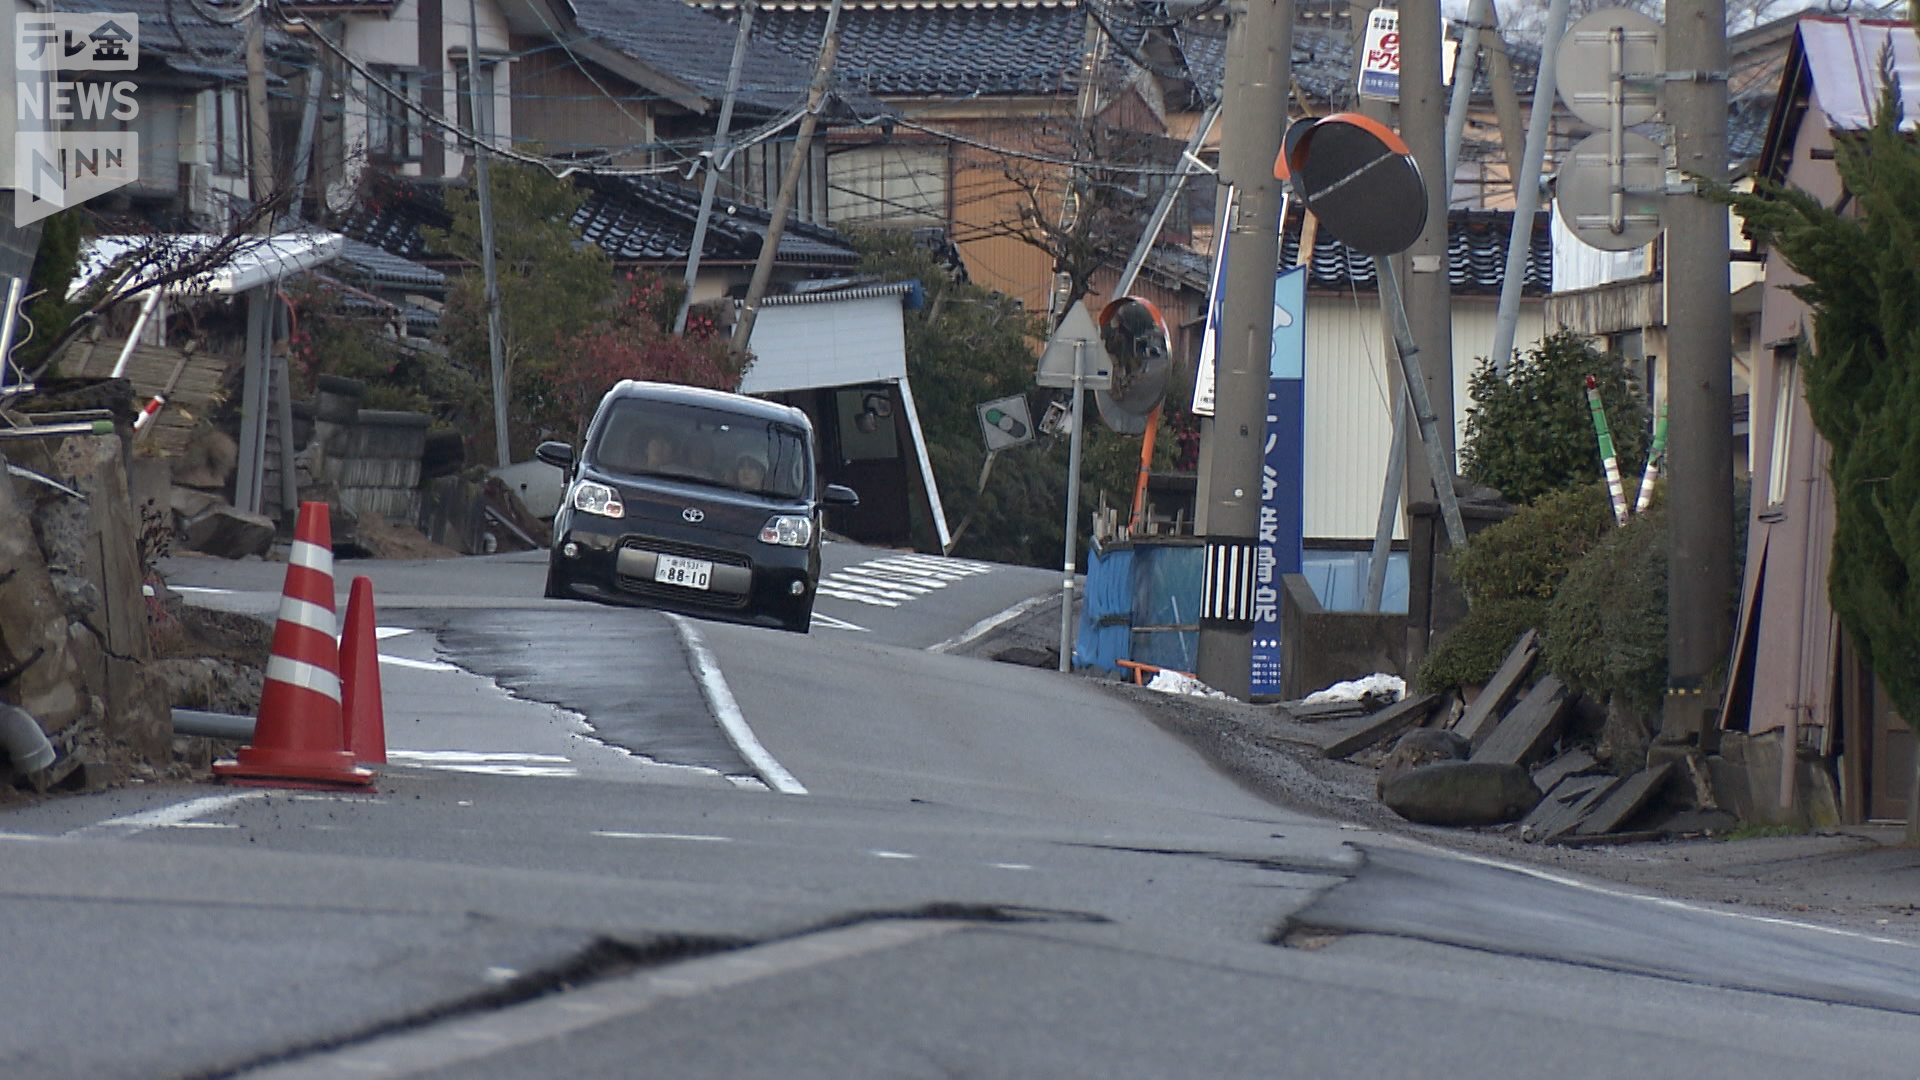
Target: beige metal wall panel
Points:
(1349, 409)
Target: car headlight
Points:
(597, 499)
(788, 530)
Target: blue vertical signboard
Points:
(1282, 474)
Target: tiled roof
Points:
(696, 48)
(372, 265)
(632, 219)
(1323, 61)
(1476, 258)
(187, 43)
(941, 50)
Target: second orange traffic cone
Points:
(366, 721)
(299, 739)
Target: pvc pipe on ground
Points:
(25, 744)
(212, 725)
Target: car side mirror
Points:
(557, 454)
(841, 495)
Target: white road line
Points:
(838, 594)
(944, 565)
(382, 633)
(486, 764)
(474, 757)
(1011, 866)
(991, 622)
(879, 579)
(200, 589)
(1658, 901)
(444, 1047)
(892, 855)
(832, 623)
(863, 586)
(418, 665)
(161, 817)
(611, 835)
(713, 684)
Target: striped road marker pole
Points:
(1607, 455)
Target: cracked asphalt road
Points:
(995, 872)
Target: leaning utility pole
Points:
(783, 202)
(721, 133)
(482, 113)
(1700, 580)
(259, 134)
(1259, 70)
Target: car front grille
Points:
(644, 587)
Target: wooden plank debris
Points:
(1627, 799)
(1325, 710)
(1356, 735)
(1528, 730)
(1565, 806)
(1477, 722)
(1571, 763)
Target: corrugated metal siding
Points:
(1349, 410)
(797, 346)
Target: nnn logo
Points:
(56, 166)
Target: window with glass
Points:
(393, 128)
(703, 445)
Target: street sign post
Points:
(1005, 423)
(1076, 330)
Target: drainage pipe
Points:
(25, 744)
(212, 725)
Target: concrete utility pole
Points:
(259, 134)
(1429, 292)
(721, 133)
(1259, 72)
(482, 113)
(783, 202)
(1700, 583)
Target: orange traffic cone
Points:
(299, 739)
(360, 679)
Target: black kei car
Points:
(694, 501)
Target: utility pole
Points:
(1700, 581)
(711, 182)
(259, 133)
(1259, 72)
(482, 113)
(1429, 291)
(783, 202)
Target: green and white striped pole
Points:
(1654, 461)
(1606, 451)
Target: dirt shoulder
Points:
(1857, 878)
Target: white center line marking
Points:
(713, 684)
(200, 825)
(892, 855)
(1011, 866)
(200, 589)
(611, 835)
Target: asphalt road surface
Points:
(610, 843)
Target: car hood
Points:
(682, 506)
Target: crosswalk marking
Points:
(895, 579)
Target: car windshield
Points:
(703, 445)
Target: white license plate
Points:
(688, 573)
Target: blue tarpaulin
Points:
(1102, 640)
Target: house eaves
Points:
(1840, 58)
